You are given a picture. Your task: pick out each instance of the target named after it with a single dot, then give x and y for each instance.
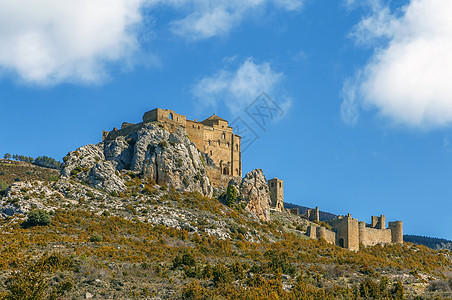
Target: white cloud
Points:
(238, 88)
(214, 18)
(50, 41)
(408, 80)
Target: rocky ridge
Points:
(163, 157)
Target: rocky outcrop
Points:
(253, 189)
(88, 164)
(167, 158)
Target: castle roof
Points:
(213, 118)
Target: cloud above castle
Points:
(49, 41)
(238, 87)
(408, 77)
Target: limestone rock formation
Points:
(88, 164)
(168, 158)
(253, 189)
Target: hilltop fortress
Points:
(212, 136)
(216, 139)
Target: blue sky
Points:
(364, 89)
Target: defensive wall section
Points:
(349, 233)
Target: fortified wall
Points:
(349, 233)
(213, 136)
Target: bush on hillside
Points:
(38, 217)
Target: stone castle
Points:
(345, 231)
(212, 136)
(215, 138)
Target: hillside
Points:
(136, 217)
(14, 171)
(152, 241)
(434, 243)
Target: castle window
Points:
(218, 143)
(208, 142)
(224, 136)
(210, 152)
(193, 126)
(280, 184)
(199, 127)
(237, 171)
(236, 147)
(227, 145)
(171, 116)
(225, 171)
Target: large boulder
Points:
(253, 189)
(167, 158)
(88, 164)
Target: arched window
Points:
(210, 152)
(224, 136)
(171, 116)
(218, 143)
(237, 171)
(341, 243)
(227, 145)
(208, 142)
(225, 171)
(236, 147)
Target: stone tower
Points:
(276, 193)
(396, 231)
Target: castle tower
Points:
(378, 222)
(276, 187)
(347, 232)
(396, 231)
(362, 231)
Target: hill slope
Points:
(434, 243)
(153, 241)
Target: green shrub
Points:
(231, 195)
(76, 170)
(279, 261)
(3, 186)
(95, 238)
(38, 217)
(221, 275)
(185, 260)
(27, 284)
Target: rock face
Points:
(253, 189)
(166, 158)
